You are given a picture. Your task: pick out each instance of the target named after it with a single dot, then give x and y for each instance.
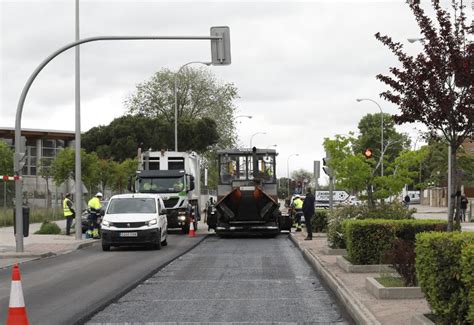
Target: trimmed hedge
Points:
(467, 267)
(369, 240)
(319, 222)
(438, 267)
(393, 211)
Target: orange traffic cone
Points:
(192, 232)
(16, 310)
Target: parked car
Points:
(135, 219)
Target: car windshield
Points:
(161, 185)
(131, 205)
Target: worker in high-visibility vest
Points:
(94, 212)
(69, 212)
(298, 205)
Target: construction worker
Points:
(298, 206)
(69, 212)
(94, 208)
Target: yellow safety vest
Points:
(298, 204)
(94, 203)
(67, 211)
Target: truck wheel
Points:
(185, 229)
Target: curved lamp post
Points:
(251, 138)
(176, 99)
(381, 130)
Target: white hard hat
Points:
(99, 194)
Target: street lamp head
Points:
(413, 40)
(359, 99)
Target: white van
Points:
(134, 219)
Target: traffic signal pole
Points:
(220, 46)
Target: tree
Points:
(305, 177)
(63, 168)
(199, 95)
(424, 87)
(121, 174)
(6, 168)
(121, 139)
(45, 173)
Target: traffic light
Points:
(368, 153)
(327, 170)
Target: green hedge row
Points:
(442, 274)
(319, 222)
(393, 210)
(369, 240)
(467, 267)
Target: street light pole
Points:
(288, 170)
(251, 138)
(176, 99)
(381, 131)
(77, 157)
(21, 102)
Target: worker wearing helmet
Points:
(94, 208)
(298, 205)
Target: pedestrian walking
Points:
(308, 211)
(406, 201)
(464, 202)
(94, 212)
(69, 212)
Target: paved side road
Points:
(230, 280)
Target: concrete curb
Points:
(359, 313)
(421, 320)
(26, 255)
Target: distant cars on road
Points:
(135, 219)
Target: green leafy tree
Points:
(121, 174)
(435, 87)
(63, 168)
(199, 95)
(121, 139)
(6, 168)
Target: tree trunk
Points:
(370, 197)
(453, 188)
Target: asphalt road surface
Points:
(230, 280)
(67, 288)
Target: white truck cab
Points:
(134, 219)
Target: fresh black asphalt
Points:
(230, 280)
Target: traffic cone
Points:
(192, 232)
(16, 310)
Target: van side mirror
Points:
(192, 184)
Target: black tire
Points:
(105, 247)
(164, 242)
(195, 226)
(185, 229)
(157, 243)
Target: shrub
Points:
(319, 222)
(49, 228)
(402, 258)
(438, 267)
(367, 240)
(467, 267)
(335, 232)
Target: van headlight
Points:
(181, 218)
(106, 223)
(152, 222)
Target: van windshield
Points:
(131, 205)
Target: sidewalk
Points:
(440, 213)
(350, 290)
(38, 246)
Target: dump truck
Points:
(176, 177)
(247, 194)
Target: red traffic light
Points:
(368, 153)
(5, 178)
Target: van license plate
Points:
(128, 234)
